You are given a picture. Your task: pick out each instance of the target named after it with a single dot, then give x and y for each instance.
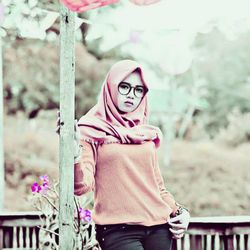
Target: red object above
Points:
(85, 5)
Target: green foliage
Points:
(31, 77)
(220, 76)
(226, 67)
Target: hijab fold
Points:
(105, 124)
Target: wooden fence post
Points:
(67, 110)
(1, 131)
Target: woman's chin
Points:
(126, 110)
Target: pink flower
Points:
(44, 188)
(44, 178)
(35, 188)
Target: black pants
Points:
(134, 237)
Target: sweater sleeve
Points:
(165, 194)
(84, 169)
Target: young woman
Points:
(118, 161)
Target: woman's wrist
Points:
(180, 209)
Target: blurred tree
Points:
(30, 84)
(224, 68)
(31, 79)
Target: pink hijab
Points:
(105, 124)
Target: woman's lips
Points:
(129, 103)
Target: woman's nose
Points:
(131, 94)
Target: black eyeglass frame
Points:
(145, 90)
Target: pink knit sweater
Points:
(127, 183)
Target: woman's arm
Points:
(166, 195)
(84, 169)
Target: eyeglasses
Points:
(124, 88)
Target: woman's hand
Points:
(76, 136)
(58, 121)
(179, 224)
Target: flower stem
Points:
(47, 230)
(50, 202)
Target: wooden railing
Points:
(216, 233)
(20, 230)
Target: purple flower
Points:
(36, 188)
(87, 218)
(85, 214)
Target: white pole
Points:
(67, 110)
(1, 131)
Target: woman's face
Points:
(130, 93)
